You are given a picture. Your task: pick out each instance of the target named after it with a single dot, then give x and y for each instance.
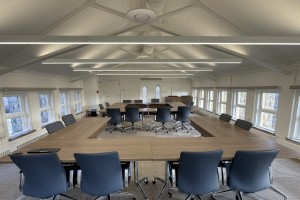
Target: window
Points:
(144, 94)
(266, 109)
(194, 93)
(210, 100)
(46, 107)
(77, 100)
(295, 123)
(201, 98)
(239, 104)
(157, 92)
(65, 103)
(221, 101)
(16, 112)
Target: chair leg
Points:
(279, 192)
(187, 197)
(63, 195)
(239, 195)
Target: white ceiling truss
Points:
(267, 58)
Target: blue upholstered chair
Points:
(191, 104)
(154, 100)
(138, 101)
(55, 126)
(197, 173)
(68, 119)
(182, 117)
(225, 117)
(249, 172)
(132, 115)
(101, 173)
(44, 175)
(243, 124)
(126, 101)
(163, 115)
(115, 119)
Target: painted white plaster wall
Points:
(25, 79)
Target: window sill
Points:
(21, 135)
(79, 113)
(294, 141)
(264, 131)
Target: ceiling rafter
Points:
(233, 53)
(235, 28)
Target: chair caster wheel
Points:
(176, 130)
(153, 182)
(155, 131)
(146, 181)
(170, 194)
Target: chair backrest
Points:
(138, 101)
(44, 174)
(115, 115)
(163, 114)
(126, 101)
(68, 119)
(55, 126)
(154, 100)
(93, 112)
(198, 172)
(107, 104)
(191, 103)
(225, 117)
(243, 124)
(183, 113)
(101, 173)
(132, 114)
(101, 106)
(249, 170)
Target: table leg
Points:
(137, 181)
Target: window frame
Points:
(210, 100)
(201, 98)
(49, 108)
(259, 109)
(294, 129)
(77, 102)
(235, 103)
(66, 105)
(23, 114)
(157, 93)
(220, 101)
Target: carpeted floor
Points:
(286, 176)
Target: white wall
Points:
(267, 78)
(25, 79)
(131, 87)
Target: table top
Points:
(80, 138)
(85, 128)
(210, 126)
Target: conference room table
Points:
(81, 137)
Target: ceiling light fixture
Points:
(144, 74)
(171, 40)
(168, 77)
(143, 70)
(141, 61)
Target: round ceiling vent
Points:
(140, 15)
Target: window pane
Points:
(223, 108)
(63, 110)
(77, 107)
(240, 113)
(157, 92)
(15, 125)
(63, 98)
(270, 101)
(267, 120)
(144, 94)
(12, 104)
(77, 96)
(242, 98)
(43, 100)
(44, 117)
(224, 96)
(211, 95)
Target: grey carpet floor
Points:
(286, 176)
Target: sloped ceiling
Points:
(174, 18)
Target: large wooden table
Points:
(80, 137)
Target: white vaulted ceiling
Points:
(217, 18)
